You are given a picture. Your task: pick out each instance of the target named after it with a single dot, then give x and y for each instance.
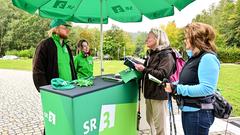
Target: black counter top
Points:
(99, 84)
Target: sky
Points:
(181, 18)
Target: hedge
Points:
(23, 53)
(226, 55)
(229, 55)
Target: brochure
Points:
(131, 62)
(154, 79)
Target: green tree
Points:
(91, 35)
(114, 42)
(21, 30)
(6, 15)
(130, 47)
(221, 17)
(233, 34)
(96, 41)
(175, 35)
(26, 32)
(140, 44)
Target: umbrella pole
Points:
(101, 39)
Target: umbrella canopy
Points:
(88, 11)
(98, 11)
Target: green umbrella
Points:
(98, 11)
(88, 11)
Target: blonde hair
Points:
(52, 31)
(201, 35)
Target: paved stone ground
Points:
(20, 105)
(21, 112)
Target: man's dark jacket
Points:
(160, 64)
(45, 63)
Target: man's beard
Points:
(63, 36)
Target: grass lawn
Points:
(110, 67)
(25, 64)
(229, 84)
(229, 80)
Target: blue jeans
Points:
(197, 123)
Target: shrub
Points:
(23, 53)
(12, 52)
(229, 55)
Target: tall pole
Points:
(124, 53)
(101, 39)
(1, 36)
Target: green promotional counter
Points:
(107, 108)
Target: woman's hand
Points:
(168, 88)
(139, 67)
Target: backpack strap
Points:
(165, 53)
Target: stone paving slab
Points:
(20, 105)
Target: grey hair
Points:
(162, 38)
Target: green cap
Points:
(58, 22)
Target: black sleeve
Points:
(40, 65)
(163, 69)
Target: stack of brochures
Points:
(111, 78)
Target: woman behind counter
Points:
(83, 61)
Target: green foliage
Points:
(225, 18)
(129, 47)
(91, 35)
(229, 55)
(12, 52)
(220, 41)
(175, 35)
(6, 16)
(23, 53)
(26, 32)
(88, 35)
(140, 45)
(74, 38)
(20, 30)
(115, 40)
(233, 34)
(95, 41)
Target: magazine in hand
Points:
(130, 62)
